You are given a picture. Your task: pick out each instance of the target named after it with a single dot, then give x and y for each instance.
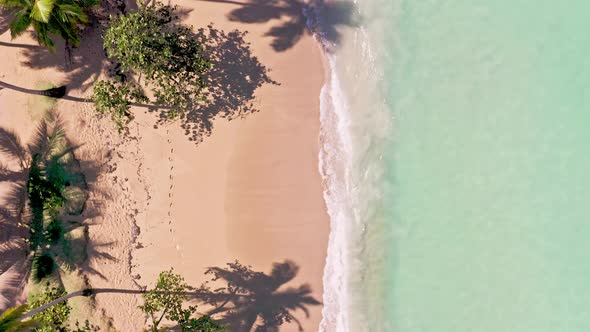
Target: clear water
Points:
(457, 151)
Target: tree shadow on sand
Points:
(5, 17)
(14, 263)
(256, 300)
(230, 84)
(296, 19)
(82, 65)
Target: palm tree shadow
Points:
(14, 261)
(296, 19)
(81, 65)
(16, 215)
(256, 300)
(6, 16)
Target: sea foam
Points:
(354, 123)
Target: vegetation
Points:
(166, 301)
(10, 320)
(54, 318)
(57, 317)
(114, 98)
(151, 44)
(53, 188)
(242, 299)
(46, 17)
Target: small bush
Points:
(42, 192)
(43, 266)
(54, 318)
(54, 231)
(115, 98)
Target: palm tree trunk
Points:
(60, 92)
(53, 92)
(32, 47)
(92, 291)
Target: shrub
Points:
(54, 231)
(43, 266)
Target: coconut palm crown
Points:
(10, 320)
(46, 17)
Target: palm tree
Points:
(60, 17)
(57, 92)
(11, 320)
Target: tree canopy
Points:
(57, 317)
(59, 17)
(54, 318)
(152, 45)
(166, 300)
(10, 320)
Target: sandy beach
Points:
(250, 191)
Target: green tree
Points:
(166, 301)
(59, 17)
(150, 44)
(51, 313)
(54, 318)
(10, 320)
(114, 98)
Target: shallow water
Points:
(457, 148)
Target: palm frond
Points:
(10, 320)
(13, 281)
(12, 251)
(42, 33)
(283, 272)
(39, 141)
(20, 23)
(72, 13)
(66, 27)
(6, 215)
(10, 145)
(88, 3)
(11, 213)
(56, 124)
(42, 10)
(56, 142)
(12, 3)
(5, 173)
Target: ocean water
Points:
(456, 157)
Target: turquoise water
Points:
(469, 167)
